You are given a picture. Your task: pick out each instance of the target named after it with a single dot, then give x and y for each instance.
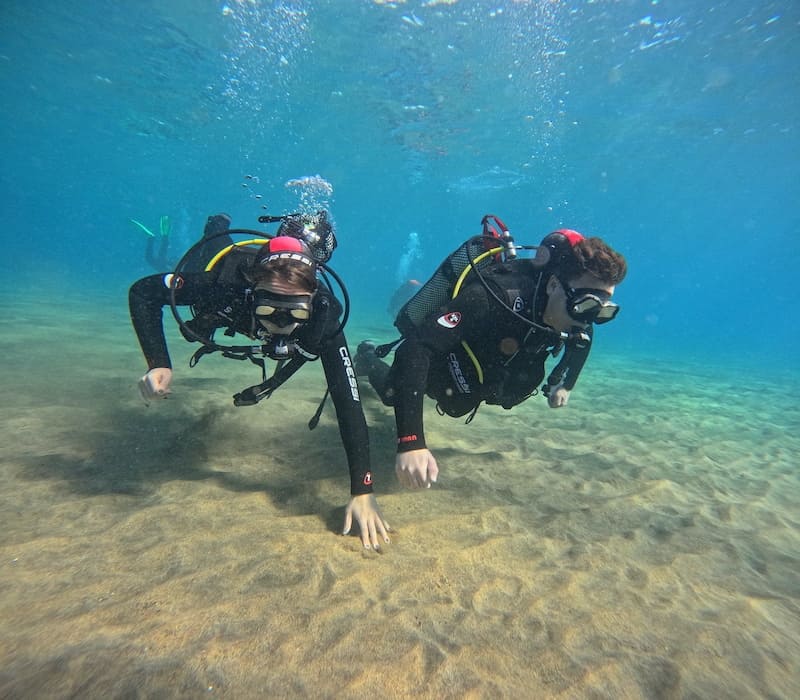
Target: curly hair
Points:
(594, 255)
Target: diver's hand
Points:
(416, 469)
(155, 384)
(559, 396)
(364, 509)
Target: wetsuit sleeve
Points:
(569, 367)
(146, 300)
(410, 376)
(576, 358)
(436, 336)
(341, 378)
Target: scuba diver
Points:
(481, 329)
(278, 296)
(401, 296)
(158, 260)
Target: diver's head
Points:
(284, 285)
(315, 230)
(580, 275)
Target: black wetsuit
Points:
(227, 304)
(509, 355)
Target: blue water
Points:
(642, 543)
(670, 128)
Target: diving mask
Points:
(589, 305)
(282, 310)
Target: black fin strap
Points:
(263, 365)
(253, 394)
(232, 354)
(198, 354)
(315, 418)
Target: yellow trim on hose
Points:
(228, 249)
(456, 290)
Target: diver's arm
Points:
(414, 464)
(146, 299)
(576, 359)
(338, 366)
(462, 318)
(362, 507)
(562, 379)
(410, 368)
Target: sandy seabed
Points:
(644, 542)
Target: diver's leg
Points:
(378, 372)
(150, 255)
(163, 253)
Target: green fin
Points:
(142, 226)
(165, 225)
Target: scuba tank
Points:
(476, 254)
